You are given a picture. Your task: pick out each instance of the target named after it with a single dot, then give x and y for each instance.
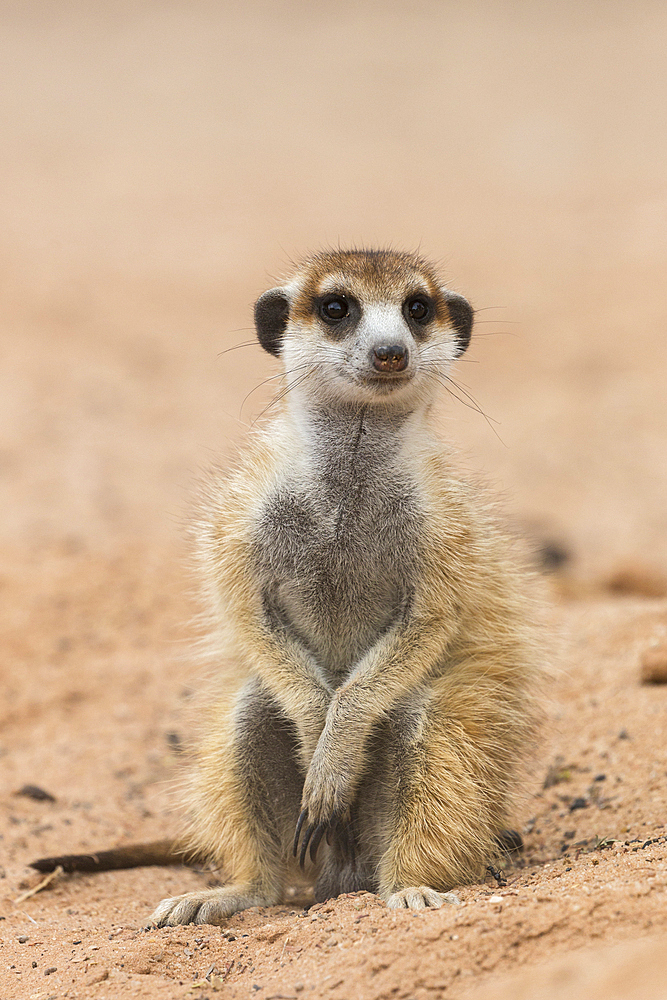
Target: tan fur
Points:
(382, 275)
(464, 644)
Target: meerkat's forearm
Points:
(291, 674)
(285, 666)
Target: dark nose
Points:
(390, 357)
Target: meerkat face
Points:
(365, 327)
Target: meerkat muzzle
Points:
(392, 358)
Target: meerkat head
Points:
(364, 327)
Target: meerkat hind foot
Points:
(208, 906)
(419, 898)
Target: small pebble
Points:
(654, 666)
(36, 793)
(99, 977)
(637, 579)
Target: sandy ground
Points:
(161, 165)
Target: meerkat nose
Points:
(390, 357)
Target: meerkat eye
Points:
(419, 309)
(334, 308)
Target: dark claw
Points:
(304, 845)
(315, 842)
(299, 824)
(337, 831)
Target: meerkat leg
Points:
(352, 863)
(449, 758)
(356, 859)
(245, 806)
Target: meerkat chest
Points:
(336, 560)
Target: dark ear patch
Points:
(271, 316)
(461, 317)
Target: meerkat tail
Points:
(157, 852)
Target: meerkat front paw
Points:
(419, 898)
(209, 906)
(327, 792)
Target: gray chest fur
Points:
(335, 554)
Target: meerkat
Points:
(378, 610)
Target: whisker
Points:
(442, 379)
(468, 400)
(513, 322)
(236, 347)
(281, 395)
(469, 396)
(496, 333)
(461, 386)
(471, 403)
(271, 378)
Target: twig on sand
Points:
(41, 885)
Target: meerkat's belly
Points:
(337, 575)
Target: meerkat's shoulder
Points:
(252, 468)
(462, 512)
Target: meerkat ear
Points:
(271, 316)
(461, 317)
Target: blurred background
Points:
(163, 162)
